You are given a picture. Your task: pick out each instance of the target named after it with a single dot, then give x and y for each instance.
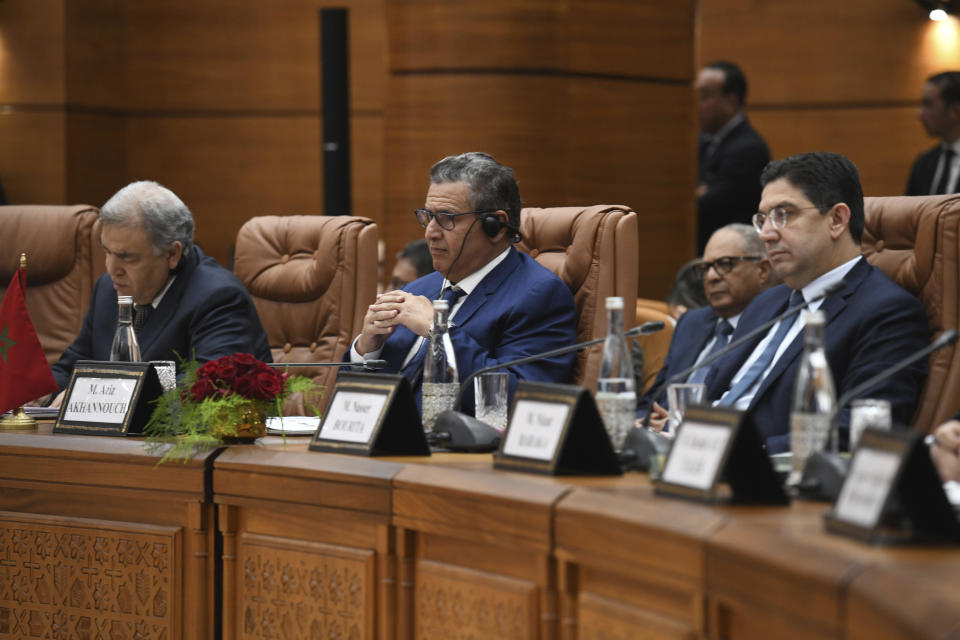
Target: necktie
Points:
(722, 332)
(141, 313)
(414, 369)
(760, 364)
(945, 173)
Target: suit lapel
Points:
(832, 306)
(487, 286)
(168, 306)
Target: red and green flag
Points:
(24, 372)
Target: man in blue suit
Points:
(185, 304)
(810, 221)
(733, 271)
(507, 306)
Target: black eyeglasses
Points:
(445, 219)
(722, 266)
(777, 216)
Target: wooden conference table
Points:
(98, 542)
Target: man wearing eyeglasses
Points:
(733, 271)
(503, 304)
(810, 220)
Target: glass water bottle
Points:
(616, 396)
(125, 347)
(440, 384)
(814, 397)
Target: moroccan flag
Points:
(24, 372)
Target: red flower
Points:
(244, 362)
(247, 387)
(269, 384)
(226, 372)
(202, 388)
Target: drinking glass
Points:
(868, 412)
(490, 391)
(679, 397)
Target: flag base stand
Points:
(18, 421)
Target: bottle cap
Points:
(441, 305)
(814, 317)
(614, 303)
(124, 299)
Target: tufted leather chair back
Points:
(64, 259)
(311, 278)
(595, 251)
(916, 241)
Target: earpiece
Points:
(491, 224)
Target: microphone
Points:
(824, 472)
(459, 431)
(762, 329)
(366, 365)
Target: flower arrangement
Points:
(223, 400)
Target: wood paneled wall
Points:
(219, 100)
(835, 76)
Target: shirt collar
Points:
(156, 300)
(470, 283)
(815, 288)
(955, 146)
(726, 128)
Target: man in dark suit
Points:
(186, 304)
(810, 221)
(937, 170)
(731, 153)
(733, 271)
(507, 306)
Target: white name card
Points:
(865, 490)
(535, 429)
(696, 454)
(353, 416)
(100, 400)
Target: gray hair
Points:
(749, 238)
(490, 185)
(154, 207)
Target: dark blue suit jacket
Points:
(872, 324)
(694, 329)
(519, 309)
(732, 176)
(206, 313)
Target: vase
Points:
(253, 426)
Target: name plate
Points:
(716, 446)
(108, 398)
(892, 493)
(536, 429)
(371, 414)
(555, 429)
(353, 416)
(696, 455)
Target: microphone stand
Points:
(458, 430)
(825, 471)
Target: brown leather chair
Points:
(655, 346)
(595, 251)
(311, 278)
(916, 241)
(64, 259)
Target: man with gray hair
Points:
(503, 304)
(185, 304)
(734, 270)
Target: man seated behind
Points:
(507, 306)
(733, 271)
(811, 219)
(186, 304)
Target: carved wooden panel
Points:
(292, 589)
(59, 580)
(464, 604)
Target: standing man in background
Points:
(731, 154)
(936, 171)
